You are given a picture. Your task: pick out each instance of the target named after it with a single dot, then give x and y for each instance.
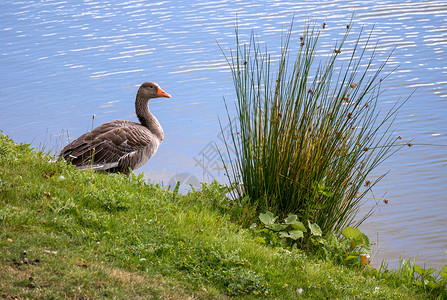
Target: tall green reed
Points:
(307, 134)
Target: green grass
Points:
(90, 236)
(308, 133)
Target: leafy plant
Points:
(353, 249)
(410, 273)
(307, 134)
(287, 233)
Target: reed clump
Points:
(307, 134)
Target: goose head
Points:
(150, 90)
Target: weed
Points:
(292, 234)
(307, 136)
(409, 273)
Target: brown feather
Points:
(120, 145)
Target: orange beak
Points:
(162, 93)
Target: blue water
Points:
(64, 61)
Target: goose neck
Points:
(146, 118)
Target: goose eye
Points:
(151, 86)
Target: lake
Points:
(64, 61)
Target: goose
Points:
(120, 146)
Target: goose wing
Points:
(108, 144)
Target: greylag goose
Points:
(120, 146)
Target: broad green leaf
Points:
(296, 234)
(291, 219)
(366, 244)
(418, 269)
(278, 227)
(267, 218)
(432, 284)
(443, 272)
(315, 229)
(299, 226)
(284, 234)
(423, 272)
(351, 233)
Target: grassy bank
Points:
(85, 235)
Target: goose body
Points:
(120, 146)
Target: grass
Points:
(84, 235)
(308, 134)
